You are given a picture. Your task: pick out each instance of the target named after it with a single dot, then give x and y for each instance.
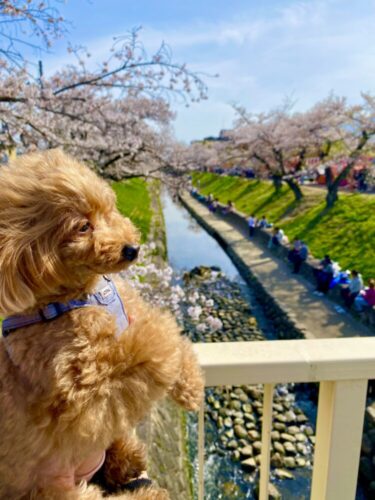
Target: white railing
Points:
(343, 368)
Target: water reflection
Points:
(188, 244)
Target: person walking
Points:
(251, 221)
(293, 252)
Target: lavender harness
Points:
(105, 295)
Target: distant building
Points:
(224, 135)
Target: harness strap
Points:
(48, 313)
(106, 295)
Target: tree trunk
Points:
(332, 188)
(298, 195)
(277, 182)
(333, 184)
(332, 196)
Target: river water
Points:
(189, 245)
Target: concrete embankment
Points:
(305, 314)
(166, 439)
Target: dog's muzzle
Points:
(130, 253)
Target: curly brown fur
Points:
(69, 387)
(90, 492)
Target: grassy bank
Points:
(346, 232)
(158, 233)
(133, 201)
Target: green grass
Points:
(346, 232)
(159, 235)
(133, 201)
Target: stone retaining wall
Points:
(167, 443)
(263, 236)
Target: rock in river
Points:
(249, 464)
(240, 431)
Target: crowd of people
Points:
(353, 292)
(327, 275)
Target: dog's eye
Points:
(86, 227)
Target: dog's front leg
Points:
(160, 339)
(188, 388)
(152, 357)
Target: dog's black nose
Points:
(130, 253)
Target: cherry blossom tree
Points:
(270, 141)
(114, 115)
(176, 160)
(312, 133)
(356, 133)
(199, 155)
(22, 22)
(332, 129)
(278, 143)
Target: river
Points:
(189, 245)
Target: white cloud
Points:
(207, 33)
(299, 14)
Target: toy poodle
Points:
(82, 358)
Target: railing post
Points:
(338, 439)
(266, 441)
(201, 452)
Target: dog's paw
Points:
(188, 390)
(188, 396)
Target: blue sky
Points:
(263, 51)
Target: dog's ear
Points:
(15, 294)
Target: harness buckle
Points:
(50, 312)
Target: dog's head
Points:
(59, 229)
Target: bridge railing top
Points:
(283, 361)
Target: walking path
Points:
(315, 315)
